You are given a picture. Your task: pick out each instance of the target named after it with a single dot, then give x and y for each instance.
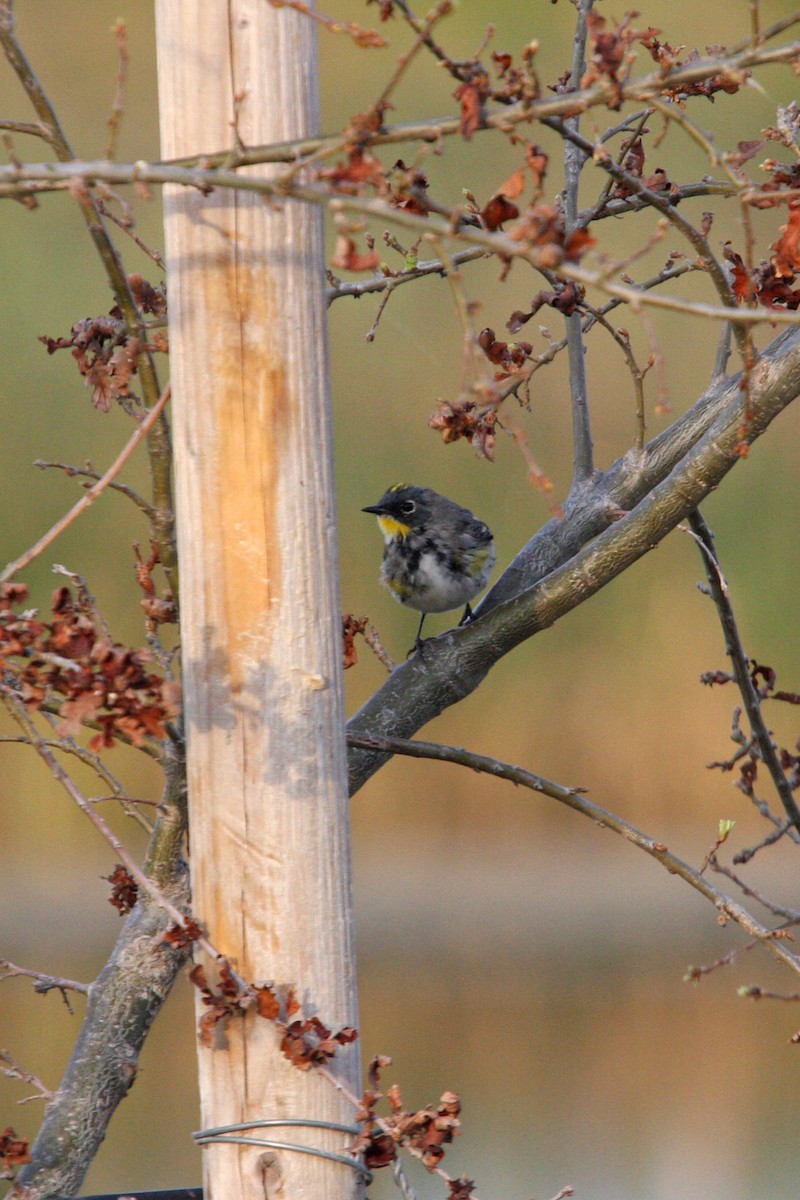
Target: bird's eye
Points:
(408, 507)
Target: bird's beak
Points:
(373, 508)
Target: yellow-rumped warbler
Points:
(437, 554)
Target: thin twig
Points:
(14, 1071)
(459, 70)
(30, 128)
(771, 31)
(47, 539)
(541, 360)
(572, 797)
(637, 373)
(20, 714)
(662, 204)
(640, 119)
(757, 993)
(694, 974)
(433, 266)
(744, 338)
(47, 982)
(423, 30)
(58, 139)
(159, 439)
(120, 32)
(536, 476)
(735, 651)
(738, 59)
(90, 473)
(403, 1183)
(462, 307)
(574, 158)
(70, 746)
(782, 829)
(126, 225)
(778, 910)
(361, 36)
(497, 243)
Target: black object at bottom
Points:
(170, 1194)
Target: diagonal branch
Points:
(159, 439)
(123, 1002)
(735, 651)
(142, 430)
(668, 210)
(573, 798)
(497, 243)
(562, 566)
(738, 60)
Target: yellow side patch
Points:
(401, 590)
(393, 529)
(477, 561)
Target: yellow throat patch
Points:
(393, 529)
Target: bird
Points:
(437, 555)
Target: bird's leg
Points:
(418, 641)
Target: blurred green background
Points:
(508, 950)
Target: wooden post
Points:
(260, 623)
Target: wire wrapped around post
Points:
(232, 1134)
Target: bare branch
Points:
(574, 158)
(740, 58)
(573, 798)
(497, 243)
(14, 1071)
(558, 570)
(47, 539)
(757, 993)
(637, 373)
(120, 32)
(18, 711)
(95, 763)
(361, 36)
(45, 983)
(778, 910)
(32, 129)
(735, 651)
(123, 1003)
(695, 238)
(158, 441)
(89, 473)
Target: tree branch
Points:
(662, 204)
(44, 983)
(573, 798)
(735, 651)
(158, 440)
(558, 570)
(123, 1002)
(574, 158)
(142, 430)
(740, 58)
(497, 243)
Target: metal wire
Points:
(219, 1134)
(402, 1181)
